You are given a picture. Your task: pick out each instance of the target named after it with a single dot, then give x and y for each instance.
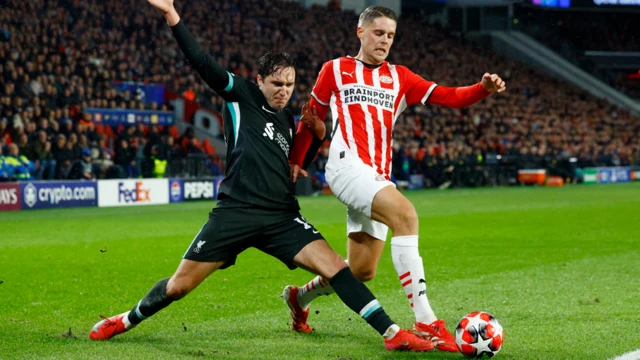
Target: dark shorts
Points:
(230, 231)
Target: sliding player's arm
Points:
(211, 72)
(422, 91)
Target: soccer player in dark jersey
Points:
(256, 207)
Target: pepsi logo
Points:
(176, 190)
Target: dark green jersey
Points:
(258, 142)
(258, 137)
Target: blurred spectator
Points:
(19, 166)
(317, 169)
(173, 150)
(193, 146)
(83, 169)
(23, 146)
(102, 157)
(321, 164)
(4, 167)
(125, 158)
(63, 156)
(42, 156)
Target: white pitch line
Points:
(633, 355)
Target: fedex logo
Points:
(137, 194)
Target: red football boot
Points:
(108, 328)
(298, 315)
(406, 341)
(438, 333)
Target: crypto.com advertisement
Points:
(58, 194)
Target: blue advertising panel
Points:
(58, 194)
(147, 93)
(129, 117)
(609, 175)
(552, 3)
(176, 190)
(416, 182)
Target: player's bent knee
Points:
(364, 275)
(405, 218)
(333, 267)
(409, 215)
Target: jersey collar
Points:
(369, 66)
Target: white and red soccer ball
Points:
(479, 334)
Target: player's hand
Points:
(163, 5)
(493, 83)
(167, 10)
(297, 171)
(311, 119)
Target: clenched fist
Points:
(493, 83)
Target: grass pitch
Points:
(557, 267)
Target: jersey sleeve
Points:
(321, 109)
(418, 90)
(305, 147)
(325, 85)
(306, 143)
(218, 79)
(458, 97)
(421, 91)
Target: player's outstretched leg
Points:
(155, 300)
(188, 276)
(359, 299)
(319, 258)
(392, 208)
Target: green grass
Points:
(557, 267)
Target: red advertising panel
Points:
(9, 196)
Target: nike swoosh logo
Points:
(269, 111)
(315, 231)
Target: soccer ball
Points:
(479, 334)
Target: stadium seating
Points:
(572, 33)
(538, 122)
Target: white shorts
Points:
(356, 184)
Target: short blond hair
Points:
(373, 12)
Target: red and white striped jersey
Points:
(366, 103)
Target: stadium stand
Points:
(571, 34)
(59, 57)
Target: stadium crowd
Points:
(594, 30)
(82, 46)
(573, 33)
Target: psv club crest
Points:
(386, 79)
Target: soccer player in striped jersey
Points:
(366, 94)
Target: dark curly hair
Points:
(274, 60)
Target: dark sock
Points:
(155, 300)
(358, 298)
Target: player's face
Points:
(376, 39)
(278, 87)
